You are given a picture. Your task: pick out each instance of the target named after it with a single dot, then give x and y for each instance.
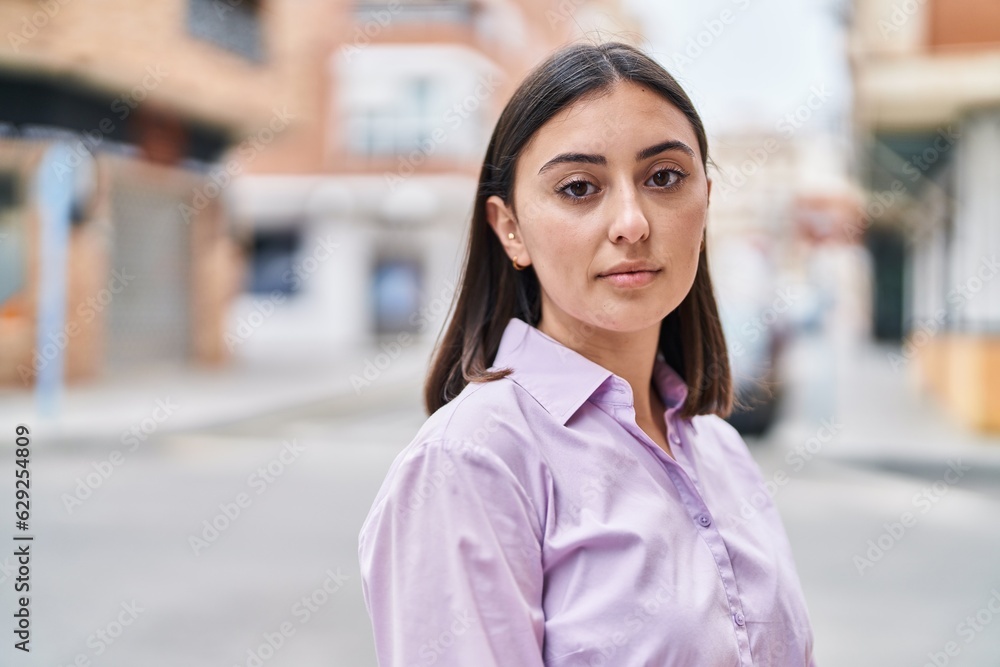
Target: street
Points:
(233, 233)
(236, 545)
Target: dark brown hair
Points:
(491, 291)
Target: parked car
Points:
(755, 308)
(755, 349)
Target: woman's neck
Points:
(629, 355)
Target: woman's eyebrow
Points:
(672, 145)
(645, 153)
(574, 157)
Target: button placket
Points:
(692, 498)
(698, 511)
(681, 452)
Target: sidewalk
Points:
(880, 416)
(114, 408)
(883, 418)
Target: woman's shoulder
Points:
(713, 426)
(497, 414)
(474, 442)
(489, 426)
(722, 445)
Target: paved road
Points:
(121, 577)
(135, 541)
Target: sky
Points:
(749, 63)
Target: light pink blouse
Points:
(531, 522)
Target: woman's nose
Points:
(628, 223)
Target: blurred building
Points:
(782, 259)
(790, 196)
(365, 237)
(928, 113)
(149, 97)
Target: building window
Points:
(396, 294)
(272, 260)
(12, 241)
(405, 126)
(234, 25)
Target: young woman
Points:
(575, 497)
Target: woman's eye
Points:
(665, 178)
(578, 189)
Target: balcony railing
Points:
(460, 12)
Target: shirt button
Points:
(705, 520)
(738, 617)
(674, 438)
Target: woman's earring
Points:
(518, 267)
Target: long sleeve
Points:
(531, 522)
(451, 562)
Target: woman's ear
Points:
(504, 224)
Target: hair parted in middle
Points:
(491, 290)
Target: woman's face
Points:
(609, 206)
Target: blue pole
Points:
(54, 194)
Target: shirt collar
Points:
(561, 379)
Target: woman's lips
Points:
(630, 278)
